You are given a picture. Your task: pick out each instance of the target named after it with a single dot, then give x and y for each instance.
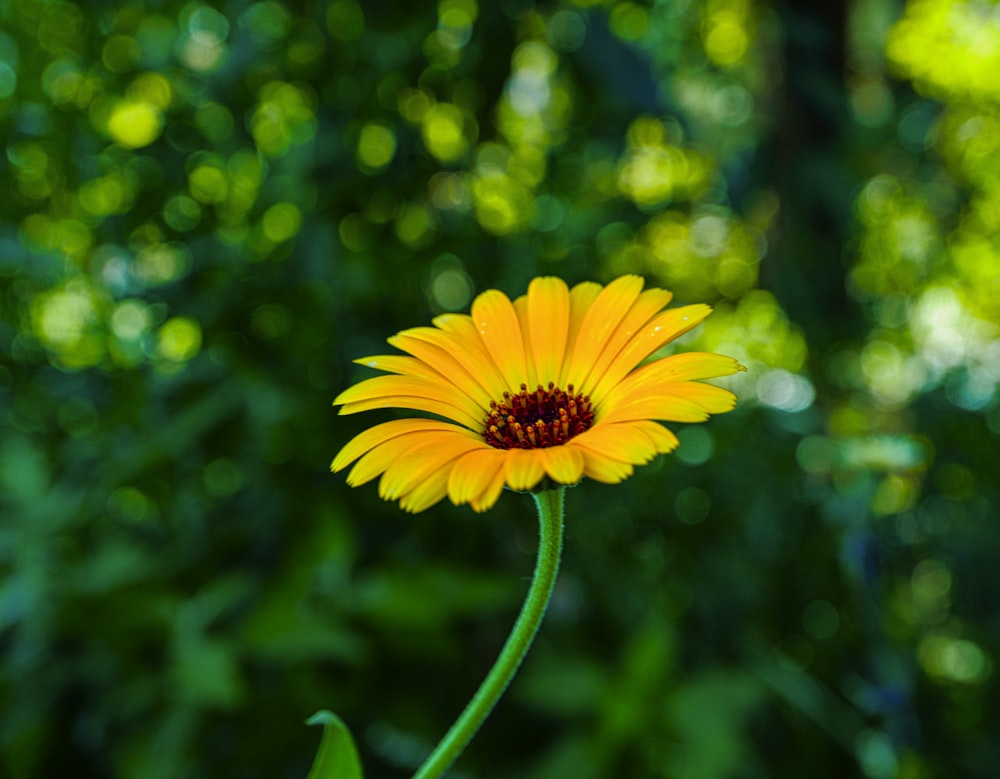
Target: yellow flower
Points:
(542, 387)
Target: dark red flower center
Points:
(537, 419)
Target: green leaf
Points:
(337, 757)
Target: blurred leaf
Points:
(433, 594)
(206, 673)
(709, 715)
(24, 472)
(571, 756)
(281, 631)
(558, 685)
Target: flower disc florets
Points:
(537, 419)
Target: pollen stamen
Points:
(537, 419)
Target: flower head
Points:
(546, 386)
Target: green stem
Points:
(550, 530)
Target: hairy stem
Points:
(550, 535)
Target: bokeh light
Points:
(178, 339)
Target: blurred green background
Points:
(208, 209)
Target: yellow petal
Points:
(523, 468)
(625, 441)
(657, 332)
(416, 403)
(392, 385)
(377, 459)
(473, 472)
(430, 491)
(715, 400)
(676, 368)
(494, 317)
(581, 297)
(466, 340)
(664, 407)
(373, 436)
(688, 401)
(491, 494)
(402, 365)
(521, 311)
(546, 321)
(694, 366)
(564, 464)
(631, 326)
(460, 324)
(602, 468)
(462, 363)
(409, 470)
(664, 440)
(605, 313)
(410, 392)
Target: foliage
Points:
(338, 756)
(207, 210)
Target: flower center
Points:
(537, 419)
